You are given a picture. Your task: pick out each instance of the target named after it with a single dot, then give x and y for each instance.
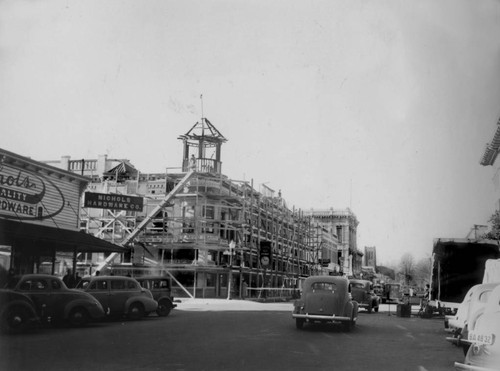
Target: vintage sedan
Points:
(475, 300)
(160, 288)
(362, 292)
(472, 307)
(17, 312)
(484, 352)
(54, 302)
(120, 296)
(326, 299)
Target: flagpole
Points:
(201, 98)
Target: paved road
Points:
(214, 336)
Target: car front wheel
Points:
(164, 307)
(136, 311)
(15, 320)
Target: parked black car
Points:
(51, 301)
(362, 292)
(160, 288)
(120, 296)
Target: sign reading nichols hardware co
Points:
(115, 202)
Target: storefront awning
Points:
(18, 234)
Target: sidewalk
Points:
(218, 305)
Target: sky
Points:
(384, 107)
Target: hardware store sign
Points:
(114, 202)
(28, 195)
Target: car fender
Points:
(78, 303)
(351, 309)
(355, 309)
(347, 309)
(28, 305)
(471, 324)
(298, 305)
(137, 299)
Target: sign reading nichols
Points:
(27, 195)
(115, 202)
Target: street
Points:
(210, 337)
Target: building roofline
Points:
(27, 161)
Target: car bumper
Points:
(317, 317)
(463, 367)
(150, 306)
(363, 305)
(453, 340)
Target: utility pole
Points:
(232, 245)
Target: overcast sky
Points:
(381, 106)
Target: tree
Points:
(386, 271)
(494, 232)
(422, 272)
(407, 267)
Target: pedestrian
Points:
(68, 279)
(244, 289)
(427, 292)
(192, 163)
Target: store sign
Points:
(27, 195)
(111, 201)
(265, 253)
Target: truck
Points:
(457, 265)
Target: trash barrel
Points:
(403, 310)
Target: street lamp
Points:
(232, 245)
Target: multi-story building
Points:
(370, 256)
(343, 224)
(214, 236)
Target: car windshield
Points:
(358, 285)
(323, 286)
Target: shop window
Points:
(339, 233)
(208, 228)
(211, 279)
(208, 212)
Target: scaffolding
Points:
(190, 237)
(206, 231)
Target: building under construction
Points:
(214, 236)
